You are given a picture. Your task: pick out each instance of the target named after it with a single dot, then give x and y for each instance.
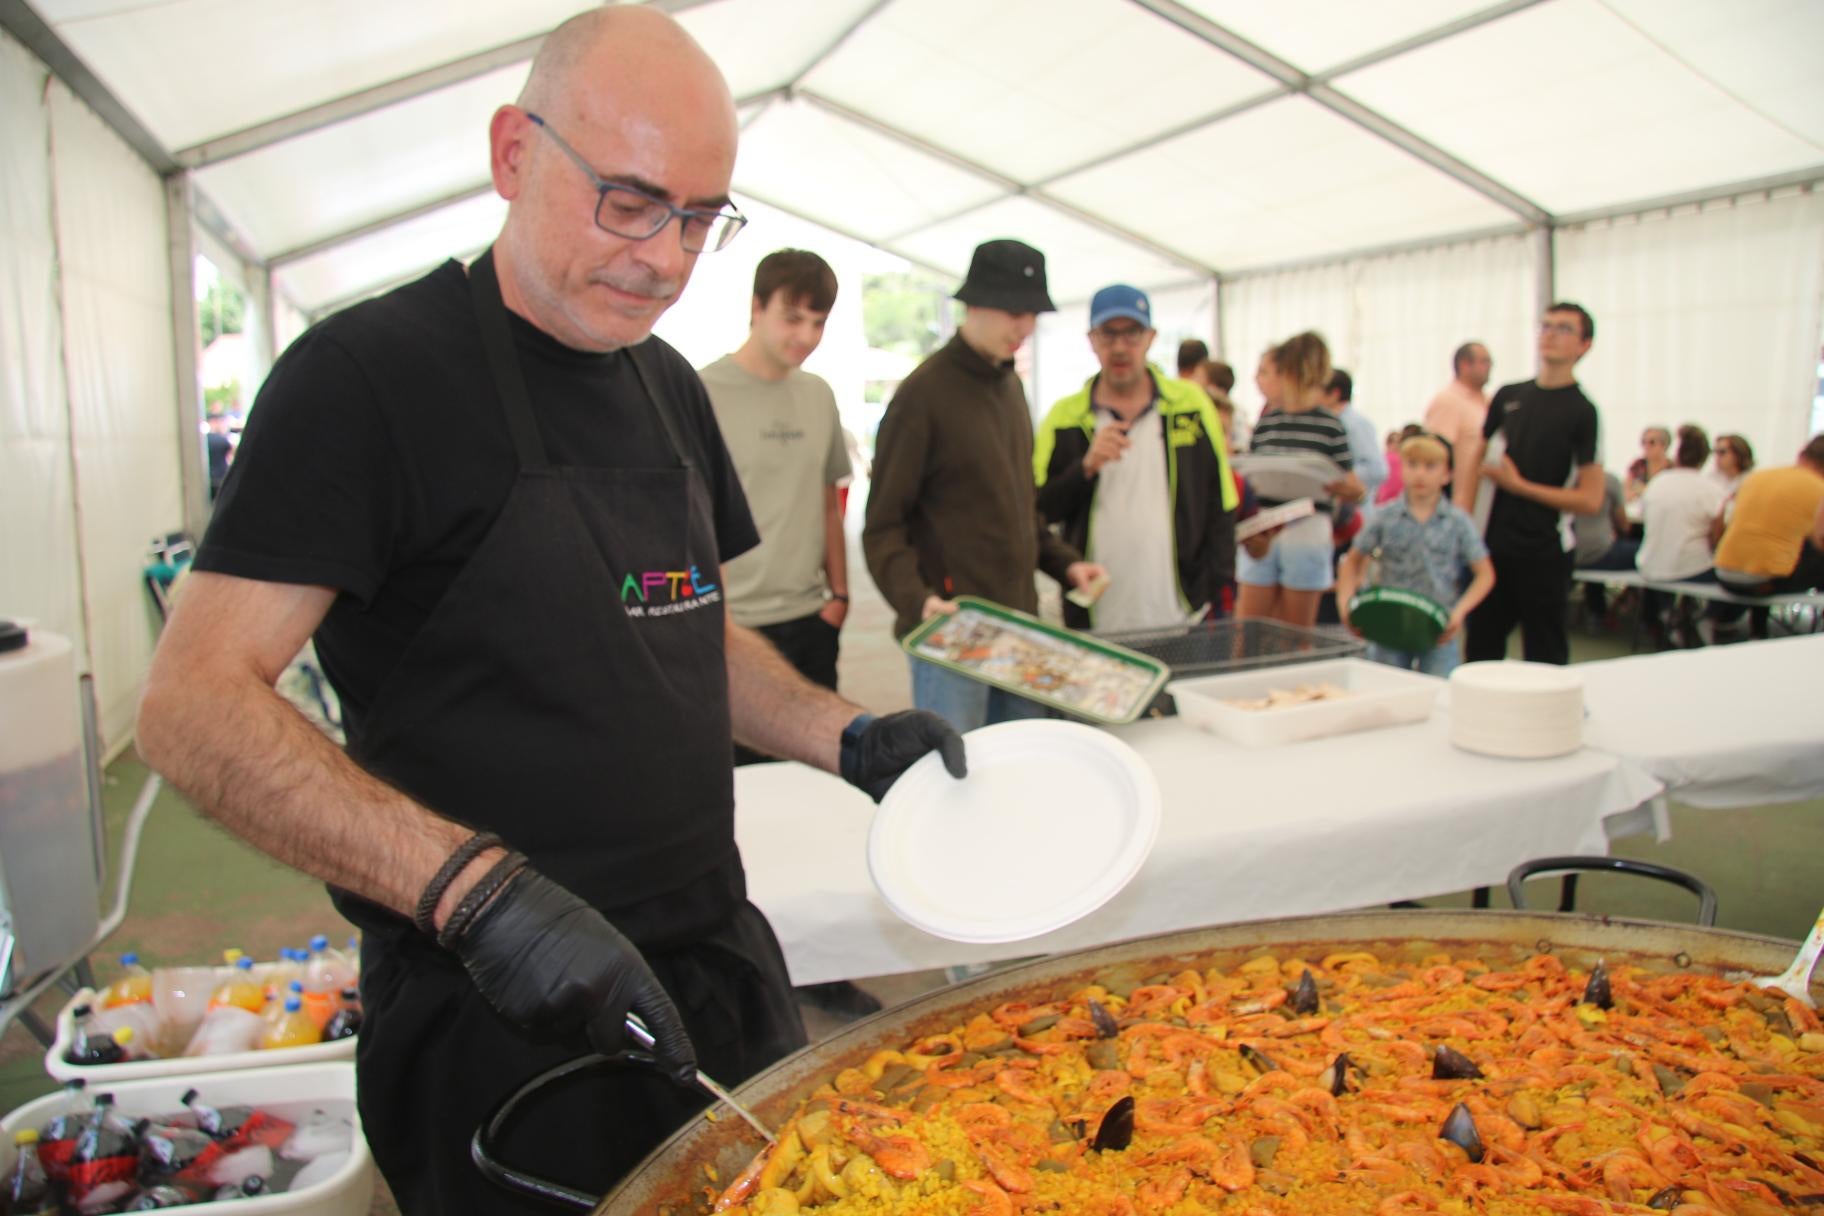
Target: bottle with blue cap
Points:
(133, 987)
(292, 1028)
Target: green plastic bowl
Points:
(1398, 619)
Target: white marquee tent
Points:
(1400, 174)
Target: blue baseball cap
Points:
(1120, 300)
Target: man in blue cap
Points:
(951, 511)
(1135, 468)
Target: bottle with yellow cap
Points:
(27, 1191)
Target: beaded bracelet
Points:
(467, 851)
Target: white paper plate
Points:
(1285, 475)
(1053, 820)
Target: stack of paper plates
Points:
(1053, 819)
(1527, 711)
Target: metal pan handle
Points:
(482, 1145)
(1516, 879)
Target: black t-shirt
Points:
(377, 457)
(1551, 433)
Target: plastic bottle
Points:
(327, 972)
(153, 1198)
(319, 1007)
(238, 1126)
(57, 1138)
(28, 1188)
(239, 989)
(105, 1162)
(141, 1019)
(88, 1044)
(176, 1156)
(250, 1187)
(280, 975)
(226, 1029)
(134, 987)
(294, 1027)
(347, 1020)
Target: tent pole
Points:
(181, 243)
(1216, 318)
(1546, 266)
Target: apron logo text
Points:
(676, 590)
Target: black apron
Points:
(570, 693)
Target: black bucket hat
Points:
(1008, 275)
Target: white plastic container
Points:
(1519, 711)
(1379, 695)
(109, 1074)
(347, 1192)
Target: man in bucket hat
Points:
(952, 508)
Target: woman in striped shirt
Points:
(1289, 580)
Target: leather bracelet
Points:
(490, 884)
(424, 916)
(849, 751)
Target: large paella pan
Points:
(1400, 1062)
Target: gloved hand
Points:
(875, 751)
(550, 963)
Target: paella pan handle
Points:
(1516, 880)
(482, 1145)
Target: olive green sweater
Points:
(952, 509)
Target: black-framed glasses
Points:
(630, 212)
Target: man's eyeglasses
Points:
(1569, 329)
(1119, 337)
(627, 211)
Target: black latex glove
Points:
(551, 964)
(875, 751)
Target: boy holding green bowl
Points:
(1422, 544)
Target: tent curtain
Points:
(119, 363)
(1392, 320)
(38, 551)
(1711, 315)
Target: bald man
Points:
(501, 510)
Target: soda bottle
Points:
(250, 1187)
(28, 1187)
(88, 1045)
(176, 1156)
(57, 1138)
(134, 986)
(346, 1023)
(240, 989)
(141, 1017)
(238, 1126)
(293, 1027)
(327, 971)
(102, 1167)
(281, 975)
(157, 1197)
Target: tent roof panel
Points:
(756, 49)
(341, 177)
(1079, 258)
(1051, 106)
(400, 252)
(195, 69)
(1316, 34)
(1764, 52)
(1575, 108)
(1283, 181)
(855, 179)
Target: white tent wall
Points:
(1709, 315)
(39, 575)
(1393, 320)
(119, 361)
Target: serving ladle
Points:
(1795, 981)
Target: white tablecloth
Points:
(1313, 827)
(1725, 726)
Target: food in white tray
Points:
(1286, 698)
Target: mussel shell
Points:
(1336, 1077)
(1448, 1064)
(1304, 997)
(1106, 1026)
(1260, 1060)
(1460, 1129)
(1666, 1200)
(1117, 1130)
(1596, 992)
